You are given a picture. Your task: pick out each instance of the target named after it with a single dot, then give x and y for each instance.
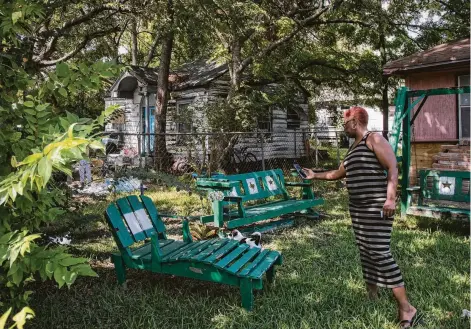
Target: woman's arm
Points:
(383, 151)
(328, 175)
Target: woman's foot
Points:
(372, 291)
(407, 316)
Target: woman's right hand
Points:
(309, 173)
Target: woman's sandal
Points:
(404, 324)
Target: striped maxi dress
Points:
(367, 189)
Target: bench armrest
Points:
(299, 184)
(186, 231)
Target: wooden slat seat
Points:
(135, 221)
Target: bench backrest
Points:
(445, 185)
(133, 219)
(258, 185)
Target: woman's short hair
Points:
(358, 113)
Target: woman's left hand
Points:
(389, 208)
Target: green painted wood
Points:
(186, 231)
(434, 192)
(439, 91)
(218, 254)
(191, 253)
(119, 229)
(410, 107)
(168, 255)
(230, 257)
(154, 215)
(406, 158)
(174, 245)
(246, 270)
(396, 128)
(146, 249)
(131, 220)
(246, 291)
(263, 184)
(270, 226)
(264, 265)
(211, 249)
(156, 253)
(243, 260)
(119, 267)
(200, 271)
(194, 245)
(443, 209)
(204, 260)
(141, 215)
(270, 213)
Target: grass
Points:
(318, 286)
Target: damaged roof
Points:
(446, 54)
(189, 75)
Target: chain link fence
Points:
(132, 163)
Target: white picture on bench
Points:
(234, 192)
(253, 189)
(447, 186)
(271, 183)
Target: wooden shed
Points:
(442, 127)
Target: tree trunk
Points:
(234, 68)
(134, 41)
(161, 155)
(385, 106)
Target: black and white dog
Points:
(254, 240)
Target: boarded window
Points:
(183, 121)
(464, 106)
(293, 121)
(265, 121)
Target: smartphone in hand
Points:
(299, 170)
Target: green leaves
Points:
(20, 318)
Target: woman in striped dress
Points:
(370, 169)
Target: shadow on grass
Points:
(319, 286)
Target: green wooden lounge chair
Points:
(134, 219)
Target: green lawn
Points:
(318, 286)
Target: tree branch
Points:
(79, 47)
(341, 21)
(151, 53)
(270, 48)
(81, 19)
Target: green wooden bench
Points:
(440, 192)
(259, 187)
(134, 220)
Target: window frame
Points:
(269, 121)
(182, 138)
(460, 128)
(293, 121)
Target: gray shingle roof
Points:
(450, 53)
(189, 75)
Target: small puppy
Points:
(255, 240)
(236, 235)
